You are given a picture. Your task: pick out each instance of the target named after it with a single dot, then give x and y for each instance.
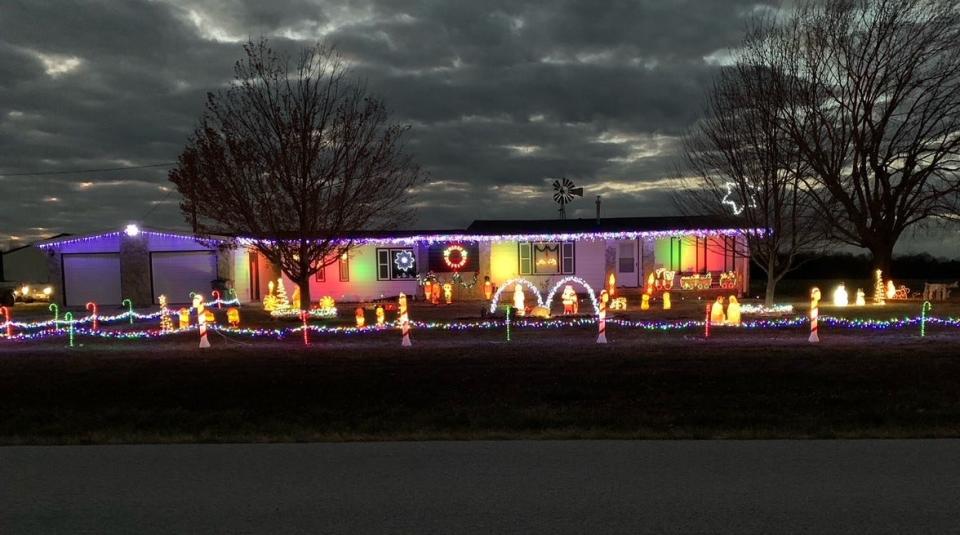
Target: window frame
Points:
(390, 266)
(525, 255)
(343, 263)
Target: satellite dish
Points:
(563, 192)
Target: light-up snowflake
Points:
(404, 260)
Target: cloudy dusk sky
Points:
(503, 96)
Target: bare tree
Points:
(871, 93)
(743, 166)
(294, 156)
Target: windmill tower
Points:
(563, 193)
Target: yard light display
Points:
(304, 316)
(717, 315)
(840, 296)
(92, 307)
(436, 290)
(216, 298)
(455, 257)
(183, 318)
(270, 300)
(68, 318)
(611, 285)
(487, 288)
(282, 302)
(507, 322)
(381, 316)
(891, 291)
(448, 293)
(166, 324)
(201, 321)
(295, 298)
(666, 301)
(129, 304)
(645, 302)
(618, 303)
(923, 317)
(814, 315)
(602, 318)
(513, 283)
(56, 312)
(518, 299)
(404, 320)
(879, 292)
(706, 320)
(861, 299)
(733, 312)
(569, 300)
(576, 280)
(233, 317)
(361, 318)
(6, 319)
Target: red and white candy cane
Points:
(814, 313)
(706, 323)
(304, 316)
(92, 307)
(404, 320)
(602, 318)
(6, 319)
(216, 298)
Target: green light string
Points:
(508, 324)
(129, 304)
(68, 317)
(56, 312)
(923, 317)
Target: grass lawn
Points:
(543, 384)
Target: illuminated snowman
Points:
(518, 299)
(569, 300)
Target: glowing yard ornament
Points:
(651, 281)
(840, 296)
(487, 288)
(618, 303)
(201, 320)
(923, 317)
(270, 300)
(455, 257)
(738, 208)
(518, 299)
(602, 318)
(733, 312)
(92, 307)
(666, 301)
(861, 298)
(706, 321)
(878, 289)
(436, 290)
(404, 260)
(304, 317)
(208, 316)
(233, 317)
(891, 290)
(68, 318)
(166, 324)
(612, 285)
(814, 314)
(448, 293)
(381, 316)
(295, 298)
(645, 302)
(404, 320)
(129, 304)
(6, 319)
(569, 300)
(183, 318)
(282, 303)
(327, 302)
(717, 316)
(216, 298)
(361, 317)
(56, 312)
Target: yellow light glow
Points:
(48, 291)
(840, 297)
(891, 290)
(25, 290)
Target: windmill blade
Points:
(556, 184)
(576, 191)
(567, 183)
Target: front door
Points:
(627, 266)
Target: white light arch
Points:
(524, 282)
(581, 282)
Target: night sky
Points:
(502, 96)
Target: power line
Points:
(103, 170)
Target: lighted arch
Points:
(581, 282)
(524, 282)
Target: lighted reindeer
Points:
(938, 292)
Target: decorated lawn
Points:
(659, 377)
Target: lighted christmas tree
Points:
(878, 288)
(166, 323)
(283, 304)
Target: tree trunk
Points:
(882, 259)
(771, 289)
(304, 284)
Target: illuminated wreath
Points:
(455, 262)
(404, 260)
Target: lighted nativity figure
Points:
(518, 299)
(569, 300)
(436, 292)
(448, 293)
(733, 312)
(717, 316)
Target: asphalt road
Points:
(865, 486)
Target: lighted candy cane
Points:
(814, 313)
(93, 307)
(706, 323)
(923, 317)
(129, 304)
(233, 294)
(404, 320)
(602, 317)
(508, 323)
(6, 317)
(68, 317)
(56, 312)
(216, 298)
(304, 315)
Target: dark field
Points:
(544, 384)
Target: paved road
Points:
(485, 487)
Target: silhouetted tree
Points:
(294, 155)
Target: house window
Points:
(546, 258)
(396, 264)
(321, 275)
(344, 268)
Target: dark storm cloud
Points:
(502, 95)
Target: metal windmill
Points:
(563, 192)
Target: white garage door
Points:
(91, 277)
(175, 275)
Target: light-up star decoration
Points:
(404, 261)
(736, 208)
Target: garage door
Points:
(175, 275)
(91, 277)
